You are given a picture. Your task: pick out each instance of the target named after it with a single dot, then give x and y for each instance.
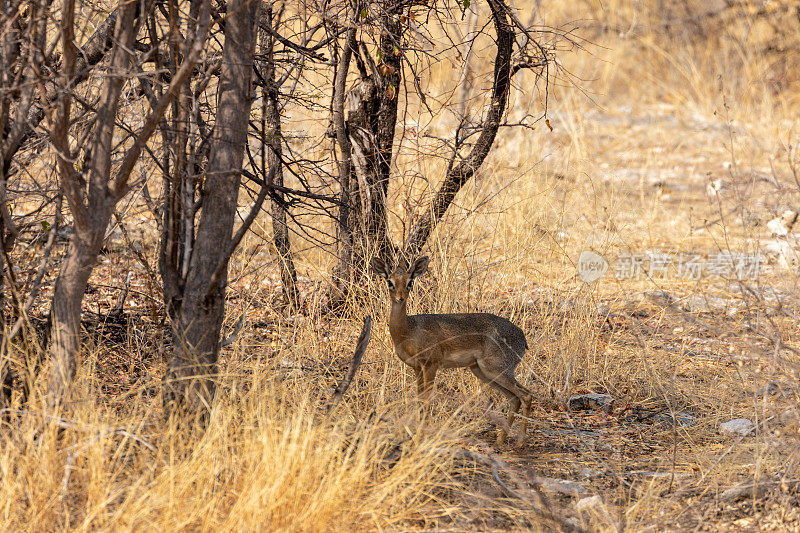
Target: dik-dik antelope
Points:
(490, 345)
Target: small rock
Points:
(659, 475)
(594, 505)
(590, 473)
(682, 418)
(591, 401)
(560, 486)
(782, 226)
(589, 503)
(707, 304)
(716, 188)
(780, 251)
(739, 427)
(772, 388)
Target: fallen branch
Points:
(230, 339)
(361, 347)
(758, 489)
(116, 311)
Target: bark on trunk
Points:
(9, 57)
(371, 121)
(190, 377)
(92, 201)
(65, 329)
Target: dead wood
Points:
(758, 489)
(361, 347)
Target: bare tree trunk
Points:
(189, 379)
(21, 64)
(92, 201)
(459, 174)
(272, 139)
(9, 58)
(366, 142)
(371, 122)
(344, 233)
(179, 188)
(91, 218)
(66, 316)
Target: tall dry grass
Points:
(268, 459)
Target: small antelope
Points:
(491, 346)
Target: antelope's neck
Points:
(398, 321)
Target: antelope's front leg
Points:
(420, 382)
(429, 381)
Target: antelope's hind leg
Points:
(518, 396)
(514, 402)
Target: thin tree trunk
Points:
(389, 70)
(9, 56)
(371, 125)
(344, 233)
(271, 128)
(190, 377)
(66, 317)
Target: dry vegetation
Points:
(663, 103)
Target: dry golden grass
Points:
(625, 170)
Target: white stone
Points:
(589, 503)
(782, 225)
(739, 427)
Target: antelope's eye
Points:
(409, 283)
(391, 284)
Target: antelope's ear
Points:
(379, 267)
(419, 266)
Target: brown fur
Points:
(489, 345)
